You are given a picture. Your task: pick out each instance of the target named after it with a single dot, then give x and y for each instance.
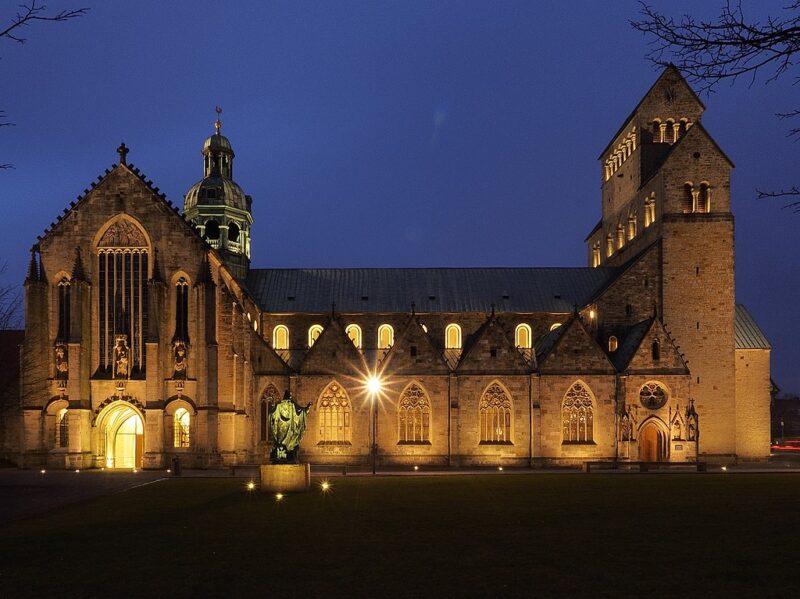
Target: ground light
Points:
(43, 471)
(325, 486)
(278, 496)
(374, 387)
(724, 468)
(251, 485)
(500, 468)
(77, 471)
(416, 468)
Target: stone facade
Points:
(149, 337)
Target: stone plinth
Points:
(285, 478)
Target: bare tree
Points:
(10, 305)
(731, 47)
(26, 15)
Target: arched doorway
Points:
(652, 444)
(122, 436)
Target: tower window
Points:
(181, 310)
(655, 350)
(63, 309)
(613, 343)
(212, 229)
(233, 232)
(523, 336)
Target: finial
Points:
(123, 150)
(218, 123)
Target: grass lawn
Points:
(672, 535)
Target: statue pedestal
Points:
(285, 478)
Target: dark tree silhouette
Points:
(26, 15)
(731, 47)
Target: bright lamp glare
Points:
(374, 384)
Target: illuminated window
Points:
(385, 336)
(620, 237)
(669, 132)
(689, 200)
(314, 331)
(181, 310)
(452, 337)
(495, 415)
(334, 415)
(280, 337)
(609, 246)
(657, 138)
(577, 418)
(653, 396)
(631, 226)
(414, 413)
(613, 344)
(180, 421)
(62, 430)
(63, 309)
(554, 326)
(270, 398)
(596, 255)
(354, 332)
(522, 336)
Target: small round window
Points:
(653, 396)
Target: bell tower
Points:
(217, 207)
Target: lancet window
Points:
(414, 413)
(354, 332)
(314, 331)
(523, 336)
(577, 416)
(63, 309)
(495, 415)
(181, 310)
(122, 298)
(62, 430)
(280, 337)
(181, 421)
(334, 415)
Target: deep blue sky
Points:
(382, 133)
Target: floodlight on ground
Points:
(77, 471)
(325, 486)
(278, 496)
(251, 485)
(724, 468)
(43, 471)
(500, 468)
(416, 468)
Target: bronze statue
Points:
(287, 422)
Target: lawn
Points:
(678, 535)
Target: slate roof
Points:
(630, 344)
(386, 290)
(748, 333)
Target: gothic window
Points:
(613, 344)
(522, 336)
(596, 255)
(655, 350)
(122, 296)
(233, 232)
(354, 332)
(385, 336)
(414, 413)
(495, 415)
(334, 415)
(181, 310)
(62, 430)
(212, 229)
(63, 309)
(314, 331)
(181, 421)
(270, 398)
(653, 396)
(452, 337)
(577, 416)
(280, 337)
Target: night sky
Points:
(383, 133)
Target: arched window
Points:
(689, 202)
(270, 398)
(596, 255)
(314, 331)
(495, 415)
(385, 336)
(334, 415)
(122, 255)
(62, 430)
(669, 133)
(631, 226)
(655, 349)
(554, 326)
(620, 236)
(63, 309)
(452, 337)
(414, 415)
(354, 332)
(181, 310)
(212, 229)
(704, 200)
(652, 396)
(577, 417)
(609, 246)
(657, 132)
(280, 337)
(233, 232)
(181, 421)
(522, 336)
(613, 343)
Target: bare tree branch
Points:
(10, 304)
(28, 13)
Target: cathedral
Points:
(149, 335)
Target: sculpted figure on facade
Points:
(62, 361)
(180, 354)
(121, 358)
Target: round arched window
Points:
(233, 232)
(653, 396)
(212, 229)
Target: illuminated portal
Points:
(652, 444)
(124, 437)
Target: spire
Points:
(157, 276)
(78, 273)
(42, 274)
(33, 270)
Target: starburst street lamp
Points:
(374, 387)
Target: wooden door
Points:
(650, 444)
